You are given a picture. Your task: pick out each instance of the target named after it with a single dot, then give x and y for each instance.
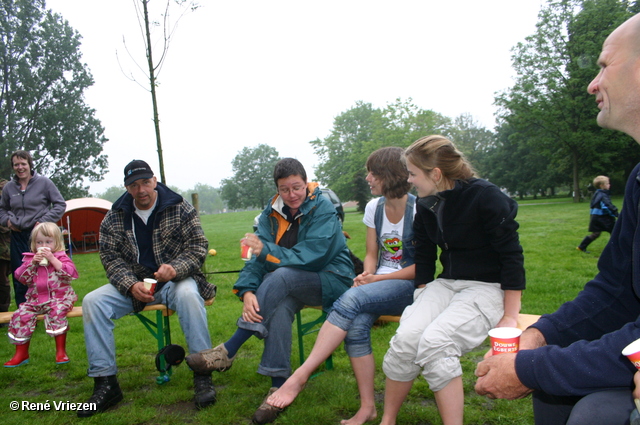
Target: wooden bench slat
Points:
(5, 316)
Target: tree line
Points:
(547, 136)
(546, 139)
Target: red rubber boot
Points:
(61, 352)
(20, 357)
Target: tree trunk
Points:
(152, 82)
(576, 177)
(195, 202)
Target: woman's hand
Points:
(251, 309)
(364, 278)
(253, 241)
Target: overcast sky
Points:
(242, 73)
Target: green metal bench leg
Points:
(306, 329)
(161, 331)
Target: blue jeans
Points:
(101, 306)
(612, 407)
(358, 308)
(281, 294)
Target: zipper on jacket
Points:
(438, 215)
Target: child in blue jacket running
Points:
(603, 212)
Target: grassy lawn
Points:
(549, 232)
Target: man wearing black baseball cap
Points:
(150, 232)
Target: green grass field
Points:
(549, 233)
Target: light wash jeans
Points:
(357, 309)
(281, 294)
(101, 306)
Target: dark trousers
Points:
(611, 407)
(5, 286)
(19, 245)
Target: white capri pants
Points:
(448, 318)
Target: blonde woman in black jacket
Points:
(473, 223)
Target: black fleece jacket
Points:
(474, 225)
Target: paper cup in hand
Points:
(632, 352)
(44, 261)
(505, 340)
(150, 285)
(245, 252)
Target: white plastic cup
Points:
(150, 285)
(245, 252)
(632, 352)
(505, 340)
(44, 261)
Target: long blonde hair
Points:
(437, 151)
(50, 230)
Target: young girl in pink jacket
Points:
(48, 273)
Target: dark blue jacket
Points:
(603, 212)
(585, 336)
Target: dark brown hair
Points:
(386, 165)
(24, 155)
(288, 167)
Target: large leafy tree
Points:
(42, 107)
(252, 182)
(362, 129)
(474, 140)
(548, 108)
(343, 153)
(516, 166)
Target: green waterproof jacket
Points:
(321, 247)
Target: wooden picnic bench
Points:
(160, 327)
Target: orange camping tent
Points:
(82, 220)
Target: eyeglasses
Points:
(286, 190)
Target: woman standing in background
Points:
(28, 199)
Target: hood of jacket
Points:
(313, 192)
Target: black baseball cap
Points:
(136, 170)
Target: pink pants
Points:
(23, 321)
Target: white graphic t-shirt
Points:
(391, 236)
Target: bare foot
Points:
(362, 416)
(286, 393)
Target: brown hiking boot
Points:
(214, 359)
